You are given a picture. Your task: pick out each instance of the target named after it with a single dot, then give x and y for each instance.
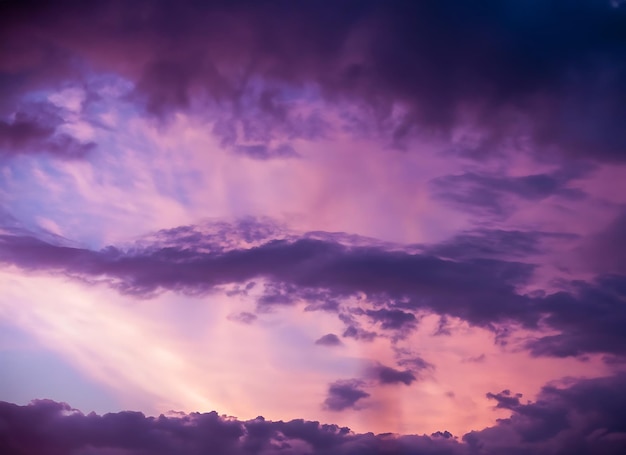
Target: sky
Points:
(313, 227)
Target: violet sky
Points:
(313, 227)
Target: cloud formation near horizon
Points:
(586, 417)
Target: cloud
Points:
(491, 194)
(410, 360)
(389, 285)
(344, 394)
(552, 73)
(330, 339)
(589, 319)
(303, 264)
(353, 331)
(35, 130)
(392, 319)
(387, 375)
(498, 244)
(505, 399)
(62, 430)
(586, 417)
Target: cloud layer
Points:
(586, 417)
(509, 71)
(393, 284)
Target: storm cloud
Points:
(550, 71)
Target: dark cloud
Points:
(35, 130)
(392, 319)
(442, 434)
(277, 294)
(240, 290)
(389, 285)
(305, 264)
(387, 375)
(353, 331)
(497, 243)
(408, 359)
(28, 60)
(549, 71)
(48, 428)
(344, 394)
(330, 339)
(590, 319)
(505, 399)
(585, 417)
(492, 195)
(321, 303)
(216, 236)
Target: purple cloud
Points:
(358, 333)
(61, 430)
(588, 315)
(35, 131)
(301, 264)
(505, 399)
(492, 194)
(330, 339)
(387, 375)
(553, 73)
(344, 394)
(587, 418)
(393, 319)
(414, 363)
(590, 319)
(498, 244)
